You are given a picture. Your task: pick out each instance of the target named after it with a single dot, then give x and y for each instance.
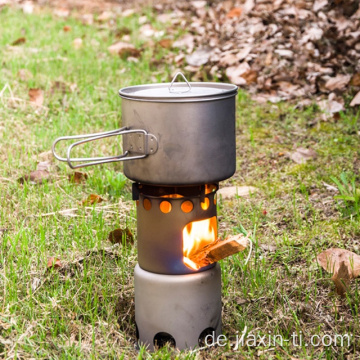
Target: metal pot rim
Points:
(179, 92)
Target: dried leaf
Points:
(78, 177)
(35, 177)
(234, 12)
(24, 74)
(165, 43)
(330, 106)
(230, 192)
(338, 82)
(116, 236)
(199, 57)
(355, 80)
(121, 48)
(234, 73)
(44, 166)
(331, 259)
(36, 96)
(67, 28)
(19, 41)
(341, 279)
(356, 100)
(54, 263)
(92, 199)
(301, 155)
(77, 43)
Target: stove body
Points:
(178, 143)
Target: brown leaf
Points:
(165, 43)
(355, 80)
(234, 73)
(92, 199)
(35, 177)
(120, 48)
(356, 100)
(78, 177)
(54, 263)
(67, 28)
(331, 259)
(199, 57)
(36, 96)
(77, 43)
(44, 165)
(234, 12)
(341, 279)
(24, 74)
(116, 236)
(19, 41)
(338, 82)
(250, 76)
(301, 155)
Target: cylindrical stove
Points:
(178, 143)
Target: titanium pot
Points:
(173, 133)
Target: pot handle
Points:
(172, 88)
(138, 141)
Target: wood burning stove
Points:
(178, 143)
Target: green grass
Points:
(85, 309)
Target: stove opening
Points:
(196, 235)
(163, 338)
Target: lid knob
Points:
(172, 88)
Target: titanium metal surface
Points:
(182, 306)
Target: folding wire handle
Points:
(172, 88)
(146, 149)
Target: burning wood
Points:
(219, 249)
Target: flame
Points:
(196, 235)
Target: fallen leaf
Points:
(53, 263)
(338, 82)
(92, 199)
(230, 192)
(35, 283)
(356, 100)
(35, 177)
(284, 53)
(116, 236)
(234, 12)
(67, 28)
(78, 177)
(234, 73)
(36, 96)
(331, 259)
(24, 74)
(186, 42)
(77, 43)
(199, 57)
(301, 155)
(43, 166)
(120, 47)
(19, 41)
(165, 43)
(330, 187)
(341, 279)
(62, 12)
(330, 106)
(355, 80)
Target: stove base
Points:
(178, 309)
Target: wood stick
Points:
(220, 249)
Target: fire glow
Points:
(196, 235)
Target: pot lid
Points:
(179, 92)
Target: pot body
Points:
(196, 141)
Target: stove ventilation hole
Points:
(163, 338)
(202, 338)
(165, 207)
(205, 205)
(147, 204)
(187, 206)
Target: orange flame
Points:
(196, 235)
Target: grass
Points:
(85, 309)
